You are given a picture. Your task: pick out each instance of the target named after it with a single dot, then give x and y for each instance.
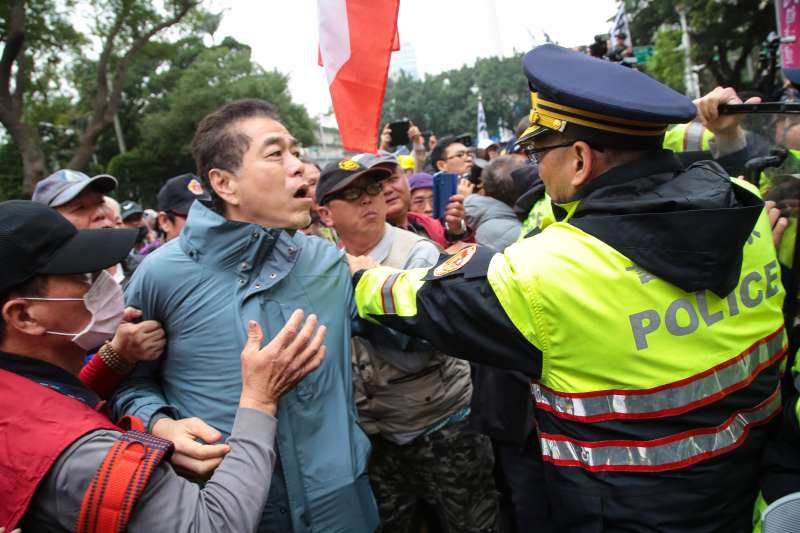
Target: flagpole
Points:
(689, 75)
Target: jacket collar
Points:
(658, 161)
(222, 244)
(50, 376)
(650, 211)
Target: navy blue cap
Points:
(599, 101)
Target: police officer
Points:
(647, 314)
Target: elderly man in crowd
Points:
(65, 465)
(80, 200)
(414, 404)
(238, 258)
(421, 187)
(491, 211)
(77, 197)
(398, 206)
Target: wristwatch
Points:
(451, 237)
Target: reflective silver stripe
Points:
(386, 295)
(693, 137)
(683, 395)
(668, 453)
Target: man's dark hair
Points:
(497, 180)
(36, 286)
(438, 152)
(217, 144)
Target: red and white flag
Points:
(356, 40)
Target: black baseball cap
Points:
(179, 193)
(338, 175)
(130, 208)
(36, 239)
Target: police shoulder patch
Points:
(348, 164)
(456, 261)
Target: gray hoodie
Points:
(494, 222)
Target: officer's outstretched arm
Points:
(455, 307)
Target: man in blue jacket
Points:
(239, 258)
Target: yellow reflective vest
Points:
(689, 137)
(631, 374)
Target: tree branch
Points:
(20, 81)
(101, 96)
(13, 46)
(107, 102)
(122, 67)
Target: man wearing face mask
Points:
(65, 466)
(79, 199)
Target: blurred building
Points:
(328, 145)
(404, 60)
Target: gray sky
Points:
(445, 33)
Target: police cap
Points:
(598, 101)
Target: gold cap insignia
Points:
(195, 187)
(348, 164)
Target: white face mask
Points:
(105, 303)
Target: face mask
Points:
(105, 303)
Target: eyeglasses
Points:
(461, 155)
(351, 194)
(537, 154)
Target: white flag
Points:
(621, 25)
(483, 130)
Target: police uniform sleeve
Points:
(469, 306)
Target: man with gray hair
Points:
(490, 211)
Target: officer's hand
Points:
(386, 138)
(144, 341)
(724, 127)
(776, 221)
(268, 372)
(361, 262)
(414, 135)
(454, 215)
(190, 456)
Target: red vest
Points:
(432, 227)
(36, 425)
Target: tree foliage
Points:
(181, 96)
(170, 84)
(666, 63)
(444, 103)
(724, 33)
(39, 41)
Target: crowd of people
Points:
(588, 336)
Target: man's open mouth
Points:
(302, 192)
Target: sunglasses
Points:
(351, 194)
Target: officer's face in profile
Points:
(565, 165)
